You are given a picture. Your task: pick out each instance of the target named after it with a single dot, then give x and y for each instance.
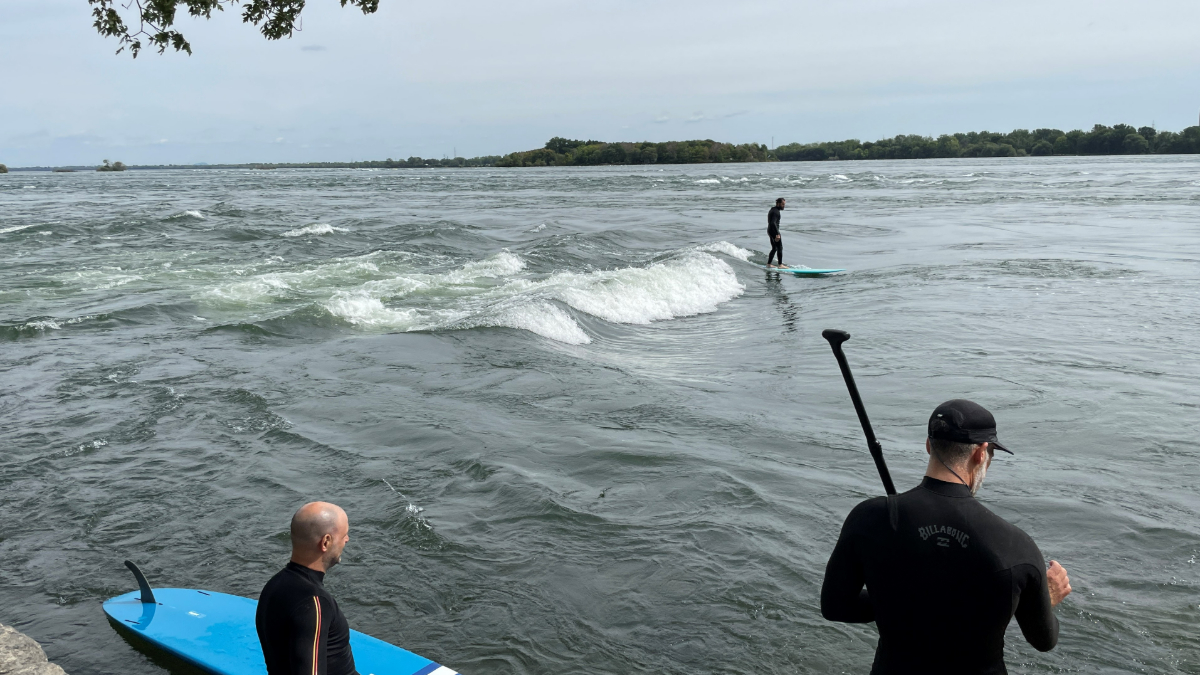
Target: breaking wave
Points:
(314, 229)
(393, 294)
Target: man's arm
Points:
(1035, 609)
(843, 596)
(309, 637)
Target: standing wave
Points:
(498, 292)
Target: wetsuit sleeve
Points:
(309, 637)
(843, 595)
(1034, 614)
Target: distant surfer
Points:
(773, 231)
(300, 627)
(946, 575)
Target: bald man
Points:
(300, 627)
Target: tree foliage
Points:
(155, 19)
(111, 166)
(3, 169)
(564, 152)
(1120, 139)
(389, 163)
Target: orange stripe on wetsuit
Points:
(316, 635)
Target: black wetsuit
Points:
(773, 234)
(300, 627)
(942, 586)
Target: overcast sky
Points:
(486, 77)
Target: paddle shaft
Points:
(836, 338)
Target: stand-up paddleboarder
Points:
(773, 231)
(943, 575)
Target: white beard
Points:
(977, 479)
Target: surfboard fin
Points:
(147, 594)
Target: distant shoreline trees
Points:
(564, 152)
(3, 169)
(1120, 139)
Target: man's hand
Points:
(1059, 583)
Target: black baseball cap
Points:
(964, 421)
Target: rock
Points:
(21, 655)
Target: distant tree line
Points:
(3, 169)
(564, 152)
(389, 163)
(1120, 139)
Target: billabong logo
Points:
(944, 534)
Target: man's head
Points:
(962, 438)
(320, 531)
(781, 203)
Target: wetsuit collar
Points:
(307, 572)
(945, 489)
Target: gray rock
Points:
(21, 655)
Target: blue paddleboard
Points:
(798, 271)
(215, 631)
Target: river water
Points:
(575, 431)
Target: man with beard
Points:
(300, 627)
(943, 575)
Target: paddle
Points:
(836, 338)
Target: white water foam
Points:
(43, 325)
(314, 229)
(727, 249)
(16, 228)
(503, 264)
(494, 292)
(695, 283)
(545, 319)
(708, 181)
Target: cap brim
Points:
(996, 445)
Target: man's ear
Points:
(928, 447)
(979, 455)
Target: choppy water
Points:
(615, 446)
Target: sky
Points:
(479, 77)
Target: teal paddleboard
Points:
(215, 631)
(798, 271)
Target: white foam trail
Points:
(16, 228)
(708, 181)
(314, 229)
